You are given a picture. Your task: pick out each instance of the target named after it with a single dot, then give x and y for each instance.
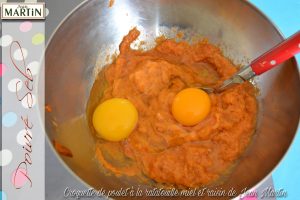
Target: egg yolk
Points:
(190, 106)
(115, 119)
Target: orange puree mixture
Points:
(160, 148)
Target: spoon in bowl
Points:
(278, 54)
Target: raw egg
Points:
(115, 119)
(190, 106)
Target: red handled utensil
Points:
(278, 54)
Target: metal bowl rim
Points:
(249, 4)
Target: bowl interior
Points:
(79, 48)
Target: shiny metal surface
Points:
(94, 29)
(244, 74)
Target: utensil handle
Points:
(277, 55)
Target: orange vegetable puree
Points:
(159, 147)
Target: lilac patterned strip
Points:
(23, 146)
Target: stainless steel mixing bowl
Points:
(94, 29)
